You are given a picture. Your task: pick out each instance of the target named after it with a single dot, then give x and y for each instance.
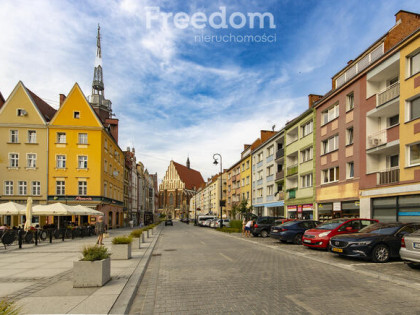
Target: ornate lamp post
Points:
(221, 185)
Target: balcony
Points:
(376, 139)
(390, 93)
(389, 176)
(279, 195)
(292, 170)
(279, 175)
(292, 193)
(279, 154)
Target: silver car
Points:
(410, 249)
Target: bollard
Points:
(147, 233)
(142, 237)
(51, 233)
(36, 237)
(20, 232)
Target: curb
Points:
(124, 301)
(376, 275)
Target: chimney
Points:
(349, 62)
(405, 23)
(62, 99)
(113, 127)
(313, 98)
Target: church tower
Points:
(97, 100)
(188, 162)
(101, 105)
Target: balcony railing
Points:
(279, 154)
(292, 170)
(280, 175)
(292, 193)
(280, 195)
(376, 139)
(389, 176)
(391, 92)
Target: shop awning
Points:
(275, 204)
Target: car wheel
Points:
(380, 253)
(264, 233)
(414, 265)
(283, 241)
(298, 239)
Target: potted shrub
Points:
(94, 269)
(137, 234)
(121, 247)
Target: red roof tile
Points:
(2, 100)
(190, 177)
(46, 110)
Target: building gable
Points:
(76, 111)
(171, 179)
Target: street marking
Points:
(228, 258)
(202, 243)
(299, 302)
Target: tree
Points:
(243, 209)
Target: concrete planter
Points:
(91, 273)
(121, 251)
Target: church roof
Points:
(46, 110)
(191, 178)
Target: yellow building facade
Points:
(86, 164)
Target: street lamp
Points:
(221, 186)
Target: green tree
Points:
(243, 209)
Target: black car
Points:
(263, 225)
(169, 222)
(377, 242)
(292, 231)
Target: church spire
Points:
(188, 162)
(101, 105)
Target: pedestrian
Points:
(243, 226)
(131, 224)
(100, 229)
(248, 226)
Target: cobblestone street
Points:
(196, 270)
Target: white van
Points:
(202, 218)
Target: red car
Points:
(319, 237)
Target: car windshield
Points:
(380, 228)
(288, 223)
(330, 225)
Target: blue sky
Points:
(175, 96)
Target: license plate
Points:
(338, 250)
(307, 241)
(416, 245)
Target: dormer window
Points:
(76, 115)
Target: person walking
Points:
(100, 229)
(248, 226)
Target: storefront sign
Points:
(83, 198)
(291, 208)
(300, 208)
(308, 207)
(337, 206)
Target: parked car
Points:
(319, 237)
(207, 222)
(263, 225)
(202, 218)
(410, 249)
(377, 242)
(216, 223)
(169, 222)
(292, 230)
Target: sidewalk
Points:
(39, 278)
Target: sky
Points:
(183, 80)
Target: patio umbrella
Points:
(83, 210)
(28, 214)
(12, 208)
(56, 209)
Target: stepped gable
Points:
(191, 178)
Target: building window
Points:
(31, 160)
(260, 175)
(14, 136)
(350, 170)
(393, 121)
(105, 166)
(349, 136)
(36, 188)
(82, 188)
(247, 164)
(414, 154)
(414, 109)
(259, 193)
(31, 136)
(76, 115)
(329, 145)
(306, 155)
(260, 157)
(8, 187)
(349, 101)
(83, 138)
(22, 188)
(82, 161)
(61, 161)
(270, 190)
(14, 160)
(270, 150)
(21, 112)
(243, 182)
(330, 175)
(307, 128)
(60, 187)
(106, 144)
(61, 137)
(247, 180)
(270, 170)
(415, 64)
(306, 181)
(394, 160)
(330, 114)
